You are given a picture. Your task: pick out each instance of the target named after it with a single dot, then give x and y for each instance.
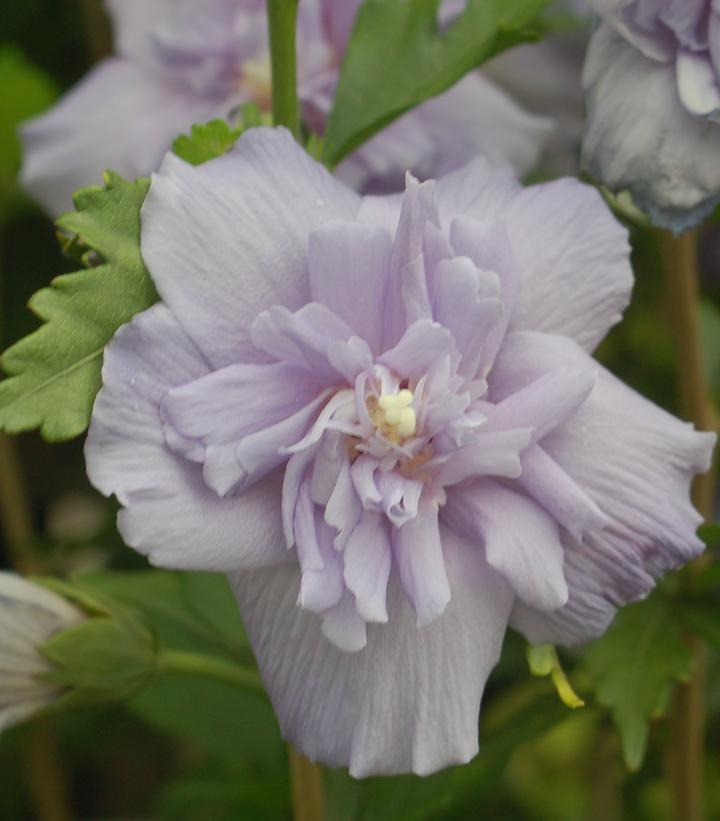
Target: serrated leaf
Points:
(397, 58)
(205, 142)
(634, 664)
(54, 374)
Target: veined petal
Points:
(698, 83)
(634, 462)
(494, 454)
(368, 560)
(521, 541)
(69, 146)
(544, 404)
(408, 701)
(302, 338)
(421, 345)
(259, 202)
(418, 551)
(640, 137)
(349, 265)
(551, 487)
(169, 512)
(570, 255)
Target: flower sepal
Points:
(106, 657)
(543, 661)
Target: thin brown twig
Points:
(687, 718)
(308, 795)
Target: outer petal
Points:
(121, 116)
(133, 22)
(169, 513)
(640, 137)
(472, 118)
(572, 255)
(409, 701)
(634, 462)
(259, 203)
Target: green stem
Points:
(282, 17)
(195, 664)
(687, 720)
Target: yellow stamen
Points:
(394, 415)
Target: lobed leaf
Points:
(205, 142)
(634, 665)
(397, 57)
(53, 375)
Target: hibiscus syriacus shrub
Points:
(346, 380)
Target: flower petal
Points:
(133, 22)
(542, 405)
(632, 459)
(409, 701)
(421, 345)
(551, 487)
(368, 559)
(640, 137)
(70, 146)
(302, 338)
(569, 252)
(494, 454)
(521, 541)
(169, 513)
(418, 551)
(473, 118)
(466, 301)
(697, 83)
(259, 202)
(349, 266)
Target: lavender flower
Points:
(181, 62)
(29, 616)
(652, 80)
(380, 416)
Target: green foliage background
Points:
(188, 750)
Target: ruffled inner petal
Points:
(522, 542)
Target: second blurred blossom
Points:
(179, 62)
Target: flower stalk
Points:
(194, 664)
(686, 752)
(282, 17)
(307, 788)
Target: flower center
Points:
(256, 78)
(393, 415)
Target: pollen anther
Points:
(395, 415)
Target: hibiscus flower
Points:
(380, 416)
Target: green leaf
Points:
(206, 142)
(194, 612)
(54, 374)
(397, 58)
(210, 140)
(186, 611)
(710, 533)
(634, 664)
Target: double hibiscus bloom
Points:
(380, 416)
